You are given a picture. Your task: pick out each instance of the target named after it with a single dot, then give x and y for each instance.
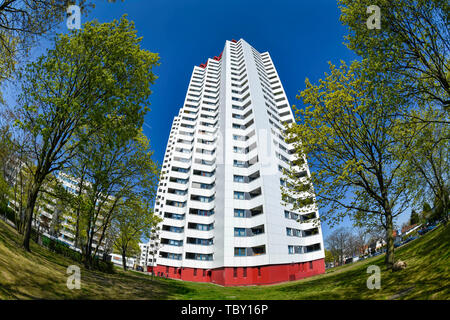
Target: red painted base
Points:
(241, 276)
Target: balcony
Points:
(249, 232)
(202, 198)
(249, 252)
(200, 212)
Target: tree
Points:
(117, 167)
(426, 212)
(441, 208)
(413, 45)
(414, 219)
(329, 258)
(427, 166)
(360, 239)
(347, 130)
(5, 154)
(21, 177)
(133, 220)
(90, 77)
(23, 22)
(338, 243)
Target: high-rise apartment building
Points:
(52, 218)
(219, 192)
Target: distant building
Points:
(117, 260)
(53, 221)
(145, 257)
(409, 229)
(376, 245)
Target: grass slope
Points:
(41, 274)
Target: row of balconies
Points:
(239, 163)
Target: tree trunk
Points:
(87, 256)
(77, 231)
(389, 240)
(29, 215)
(124, 260)
(78, 210)
(88, 251)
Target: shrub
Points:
(8, 212)
(104, 266)
(62, 248)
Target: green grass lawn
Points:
(41, 274)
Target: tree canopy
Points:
(93, 79)
(347, 128)
(413, 44)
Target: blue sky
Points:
(301, 37)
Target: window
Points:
(239, 150)
(289, 231)
(259, 250)
(239, 232)
(310, 265)
(205, 212)
(239, 213)
(240, 252)
(239, 195)
(259, 271)
(238, 178)
(235, 272)
(239, 164)
(195, 272)
(245, 272)
(175, 242)
(199, 256)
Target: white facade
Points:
(145, 257)
(49, 212)
(118, 261)
(219, 192)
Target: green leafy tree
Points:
(426, 212)
(89, 78)
(134, 220)
(117, 167)
(5, 154)
(23, 22)
(427, 166)
(329, 258)
(414, 217)
(338, 243)
(441, 208)
(346, 130)
(413, 45)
